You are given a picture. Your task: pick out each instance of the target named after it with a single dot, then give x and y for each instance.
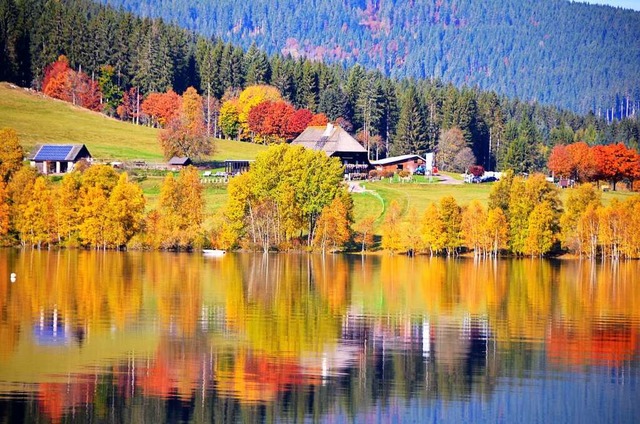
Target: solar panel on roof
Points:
(52, 152)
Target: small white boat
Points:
(214, 252)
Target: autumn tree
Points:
(19, 190)
(364, 232)
(37, 224)
(228, 119)
(251, 97)
(4, 211)
(577, 201)
(392, 239)
(451, 216)
(62, 82)
(125, 211)
(497, 231)
(181, 209)
(541, 232)
(616, 162)
(66, 196)
(289, 186)
(161, 108)
(560, 162)
(11, 153)
(433, 230)
(474, 228)
(333, 231)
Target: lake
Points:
(165, 337)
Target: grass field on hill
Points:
(40, 119)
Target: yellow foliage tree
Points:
(181, 210)
(411, 233)
(587, 230)
(577, 201)
(125, 211)
(474, 227)
(332, 230)
(392, 238)
(364, 232)
(451, 216)
(93, 215)
(11, 153)
(37, 227)
(497, 231)
(252, 96)
(66, 212)
(4, 211)
(433, 230)
(540, 234)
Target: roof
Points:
(330, 139)
(395, 159)
(59, 152)
(179, 161)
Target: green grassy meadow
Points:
(39, 119)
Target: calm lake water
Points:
(161, 337)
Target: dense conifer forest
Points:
(572, 55)
(124, 52)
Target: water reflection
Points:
(165, 337)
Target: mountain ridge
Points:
(573, 55)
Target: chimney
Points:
(327, 132)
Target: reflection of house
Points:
(176, 163)
(336, 142)
(58, 158)
(399, 163)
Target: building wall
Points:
(406, 165)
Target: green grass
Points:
(39, 119)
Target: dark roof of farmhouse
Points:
(58, 152)
(330, 139)
(179, 161)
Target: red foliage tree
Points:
(57, 79)
(560, 162)
(162, 107)
(319, 120)
(584, 163)
(298, 122)
(616, 162)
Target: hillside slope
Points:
(574, 55)
(40, 119)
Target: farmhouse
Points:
(176, 163)
(399, 163)
(336, 142)
(58, 158)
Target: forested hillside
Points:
(572, 55)
(125, 59)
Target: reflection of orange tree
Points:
(258, 378)
(58, 398)
(597, 315)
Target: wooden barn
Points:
(336, 142)
(58, 158)
(176, 163)
(399, 163)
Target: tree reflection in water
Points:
(166, 337)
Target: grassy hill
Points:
(40, 119)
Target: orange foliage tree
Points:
(62, 82)
(161, 108)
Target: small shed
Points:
(235, 167)
(176, 163)
(58, 158)
(399, 163)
